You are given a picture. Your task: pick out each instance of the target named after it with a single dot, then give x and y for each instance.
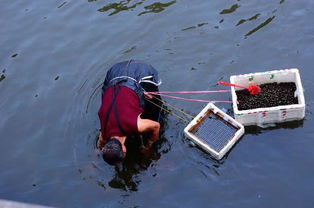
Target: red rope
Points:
(185, 92)
(195, 100)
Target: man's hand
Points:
(101, 142)
(146, 149)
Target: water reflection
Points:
(232, 9)
(121, 6)
(61, 5)
(263, 24)
(2, 76)
(126, 174)
(156, 7)
(249, 19)
(194, 27)
(129, 50)
(286, 125)
(129, 5)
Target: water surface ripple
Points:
(54, 56)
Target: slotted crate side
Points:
(215, 131)
(277, 114)
(201, 143)
(236, 137)
(196, 140)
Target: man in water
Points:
(122, 106)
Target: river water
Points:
(54, 56)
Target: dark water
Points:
(54, 56)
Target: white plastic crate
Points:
(278, 114)
(214, 131)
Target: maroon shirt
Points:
(128, 108)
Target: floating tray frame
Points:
(277, 114)
(208, 144)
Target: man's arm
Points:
(145, 125)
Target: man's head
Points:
(113, 152)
